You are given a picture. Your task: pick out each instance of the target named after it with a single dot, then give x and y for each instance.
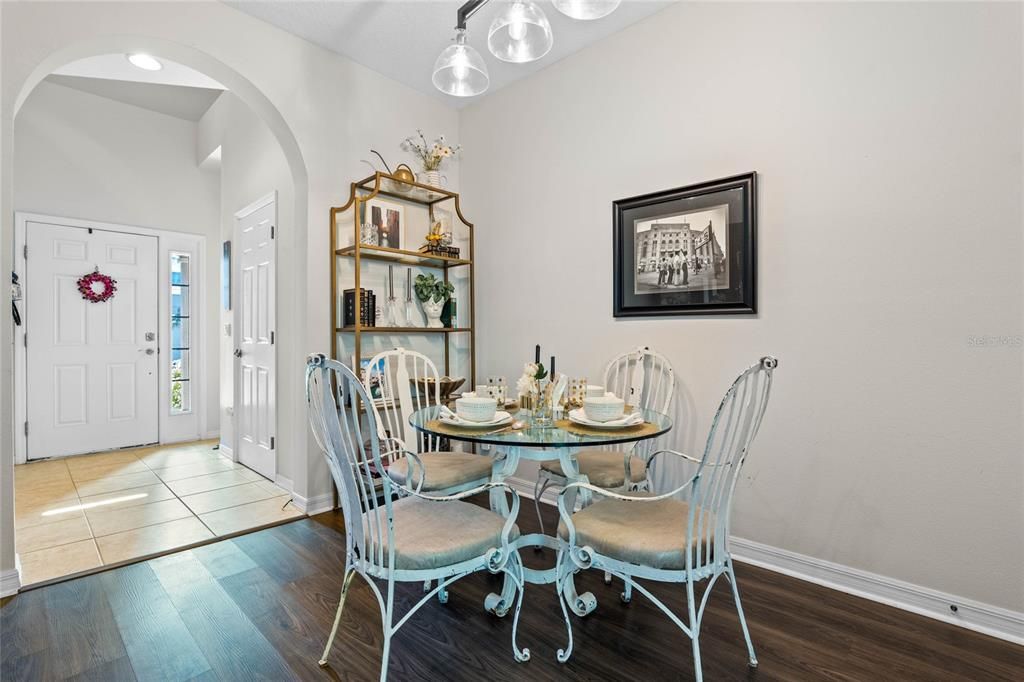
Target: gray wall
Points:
(888, 142)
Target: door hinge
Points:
(25, 338)
(26, 428)
(272, 442)
(24, 251)
(271, 338)
(271, 231)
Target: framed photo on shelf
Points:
(687, 251)
(389, 220)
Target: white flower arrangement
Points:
(529, 382)
(431, 155)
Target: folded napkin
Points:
(631, 419)
(445, 413)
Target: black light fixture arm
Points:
(466, 11)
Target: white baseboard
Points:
(226, 450)
(283, 482)
(970, 614)
(973, 615)
(313, 505)
(10, 582)
(211, 435)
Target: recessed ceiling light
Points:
(145, 62)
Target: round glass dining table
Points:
(561, 441)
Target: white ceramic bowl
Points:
(595, 391)
(604, 408)
(476, 408)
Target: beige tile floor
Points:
(80, 513)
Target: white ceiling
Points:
(401, 39)
(117, 67)
(173, 100)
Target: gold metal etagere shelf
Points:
(410, 193)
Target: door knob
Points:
(238, 352)
(150, 351)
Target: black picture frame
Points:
(711, 270)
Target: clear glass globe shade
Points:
(586, 10)
(460, 71)
(520, 33)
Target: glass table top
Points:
(536, 437)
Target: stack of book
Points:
(367, 308)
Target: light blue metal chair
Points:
(411, 539)
(644, 378)
(444, 473)
(666, 539)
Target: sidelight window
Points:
(181, 334)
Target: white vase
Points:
(432, 309)
(431, 177)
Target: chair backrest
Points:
(643, 378)
(733, 430)
(333, 397)
(392, 373)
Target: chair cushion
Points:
(443, 470)
(645, 533)
(430, 535)
(603, 468)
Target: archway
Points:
(251, 96)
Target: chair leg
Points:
(743, 619)
(538, 489)
(627, 593)
(387, 653)
(522, 655)
(607, 578)
(561, 584)
(337, 617)
(691, 606)
(386, 619)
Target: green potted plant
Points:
(433, 293)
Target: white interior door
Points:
(93, 381)
(255, 406)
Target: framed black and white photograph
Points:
(388, 217)
(686, 251)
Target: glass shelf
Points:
(409, 191)
(401, 330)
(385, 253)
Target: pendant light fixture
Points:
(520, 33)
(460, 71)
(586, 10)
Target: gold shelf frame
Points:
(411, 193)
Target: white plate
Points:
(578, 416)
(500, 419)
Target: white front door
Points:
(256, 406)
(92, 373)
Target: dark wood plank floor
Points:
(260, 607)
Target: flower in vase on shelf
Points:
(432, 293)
(431, 155)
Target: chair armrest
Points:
(510, 522)
(566, 514)
(681, 455)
